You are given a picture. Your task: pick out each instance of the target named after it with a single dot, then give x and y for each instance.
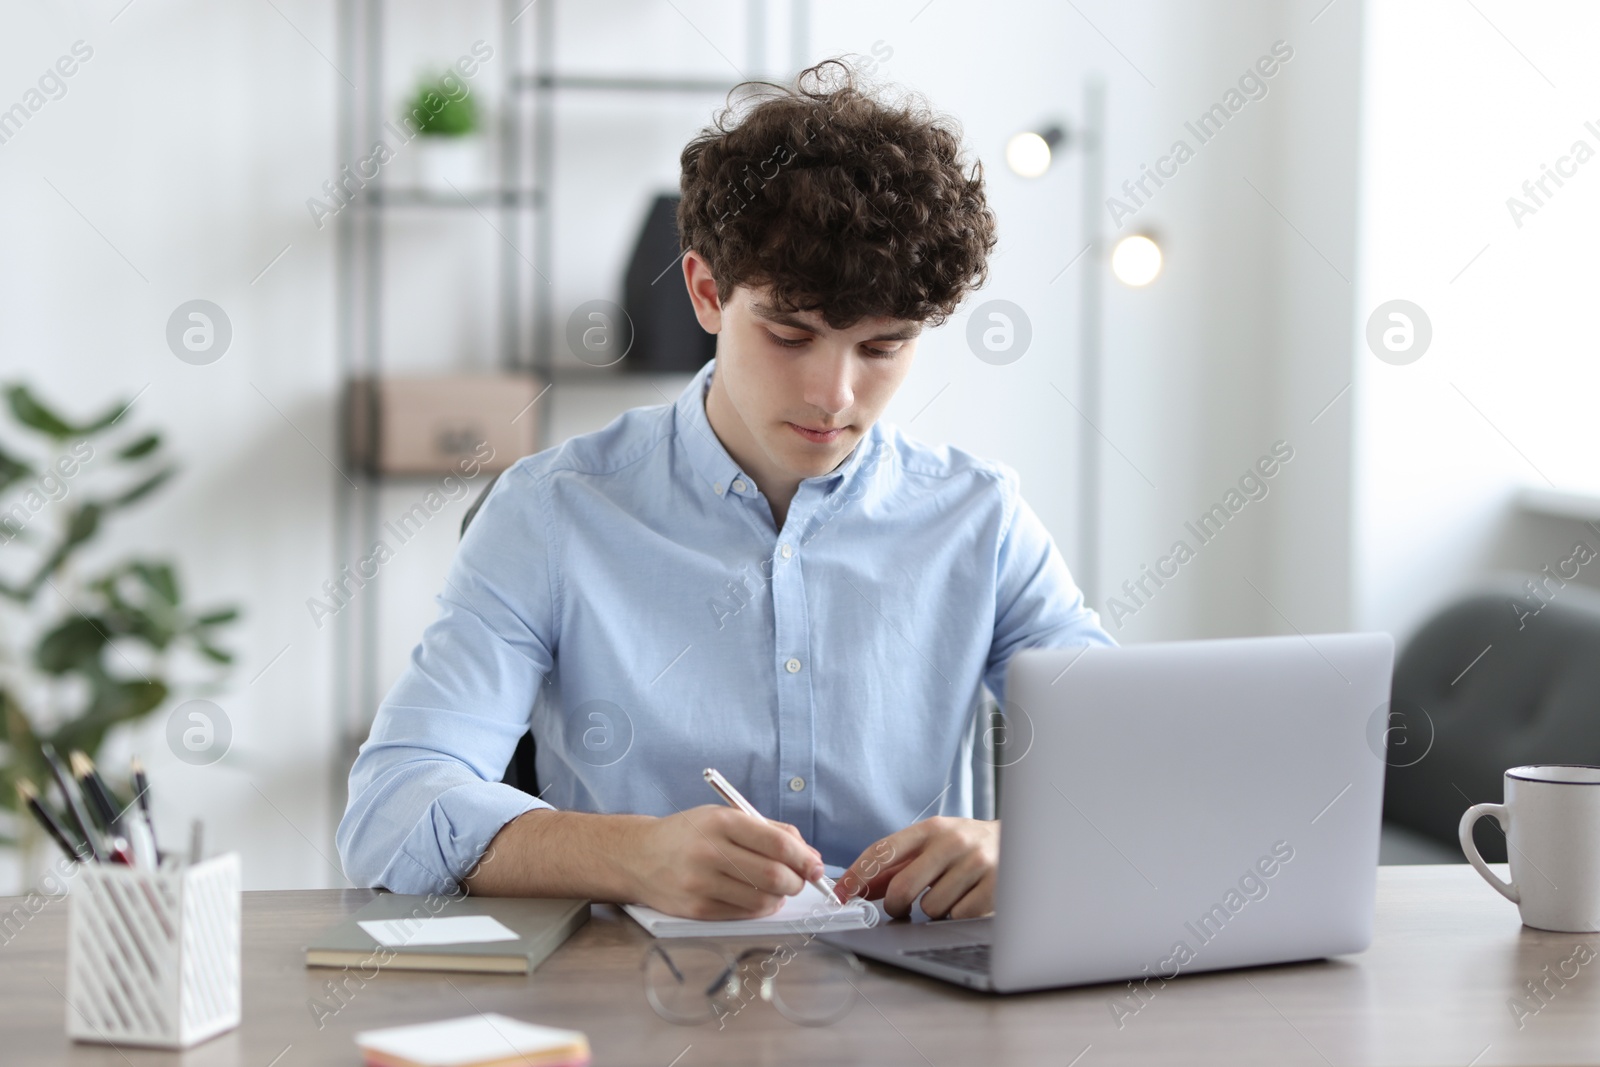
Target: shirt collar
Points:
(711, 462)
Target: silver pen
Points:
(725, 789)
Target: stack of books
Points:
(487, 1040)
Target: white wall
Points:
(1246, 337)
(1461, 107)
(186, 147)
(193, 138)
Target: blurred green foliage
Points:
(443, 111)
(81, 655)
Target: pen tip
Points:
(81, 766)
(26, 790)
(136, 765)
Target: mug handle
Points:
(1468, 821)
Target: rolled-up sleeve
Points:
(1037, 604)
(425, 794)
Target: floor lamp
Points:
(1030, 154)
(1135, 261)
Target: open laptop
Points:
(1173, 808)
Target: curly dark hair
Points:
(837, 200)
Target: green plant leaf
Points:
(111, 415)
(159, 577)
(142, 447)
(215, 653)
(12, 470)
(115, 702)
(153, 627)
(30, 412)
(146, 610)
(83, 524)
(33, 412)
(13, 724)
(129, 700)
(144, 488)
(72, 645)
(217, 618)
(26, 760)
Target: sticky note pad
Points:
(438, 930)
(487, 1040)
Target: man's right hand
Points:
(715, 862)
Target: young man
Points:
(760, 577)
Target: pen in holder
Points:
(153, 956)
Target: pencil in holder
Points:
(153, 956)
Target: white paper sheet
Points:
(438, 930)
(472, 1039)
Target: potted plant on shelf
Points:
(83, 653)
(448, 149)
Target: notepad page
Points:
(808, 911)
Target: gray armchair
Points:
(1532, 697)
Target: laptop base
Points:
(951, 950)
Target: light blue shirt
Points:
(629, 595)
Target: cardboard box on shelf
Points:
(430, 425)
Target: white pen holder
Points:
(153, 956)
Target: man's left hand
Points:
(953, 859)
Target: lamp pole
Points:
(1089, 343)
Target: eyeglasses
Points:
(695, 981)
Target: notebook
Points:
(499, 935)
(487, 1040)
(807, 912)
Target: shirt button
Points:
(738, 485)
(796, 784)
(786, 550)
(717, 488)
(792, 666)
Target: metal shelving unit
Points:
(521, 203)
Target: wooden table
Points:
(1448, 956)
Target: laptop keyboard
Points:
(974, 958)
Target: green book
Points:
(529, 930)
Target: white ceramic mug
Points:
(1551, 818)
